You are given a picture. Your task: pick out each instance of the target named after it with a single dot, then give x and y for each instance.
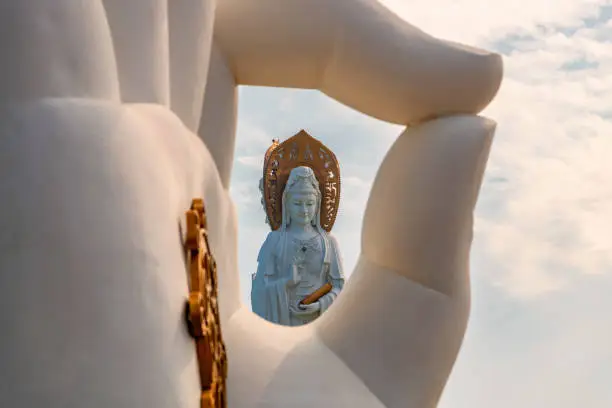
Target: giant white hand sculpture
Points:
(100, 105)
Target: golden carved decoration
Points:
(317, 294)
(273, 146)
(203, 310)
(301, 150)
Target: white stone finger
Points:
(190, 26)
(140, 38)
(54, 49)
(357, 52)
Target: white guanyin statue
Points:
(298, 258)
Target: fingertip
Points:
(464, 79)
(387, 68)
(56, 49)
(422, 200)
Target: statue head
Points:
(300, 165)
(302, 198)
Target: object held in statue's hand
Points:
(317, 294)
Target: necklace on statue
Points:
(304, 246)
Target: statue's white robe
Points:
(269, 296)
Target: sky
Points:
(540, 332)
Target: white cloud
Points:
(551, 212)
(253, 138)
(251, 161)
(357, 182)
(553, 147)
(483, 21)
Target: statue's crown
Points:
(302, 178)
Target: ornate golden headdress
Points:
(300, 150)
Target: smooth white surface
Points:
(59, 49)
(357, 52)
(92, 281)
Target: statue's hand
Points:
(127, 173)
(305, 310)
(315, 307)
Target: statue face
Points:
(302, 207)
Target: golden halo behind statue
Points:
(301, 150)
